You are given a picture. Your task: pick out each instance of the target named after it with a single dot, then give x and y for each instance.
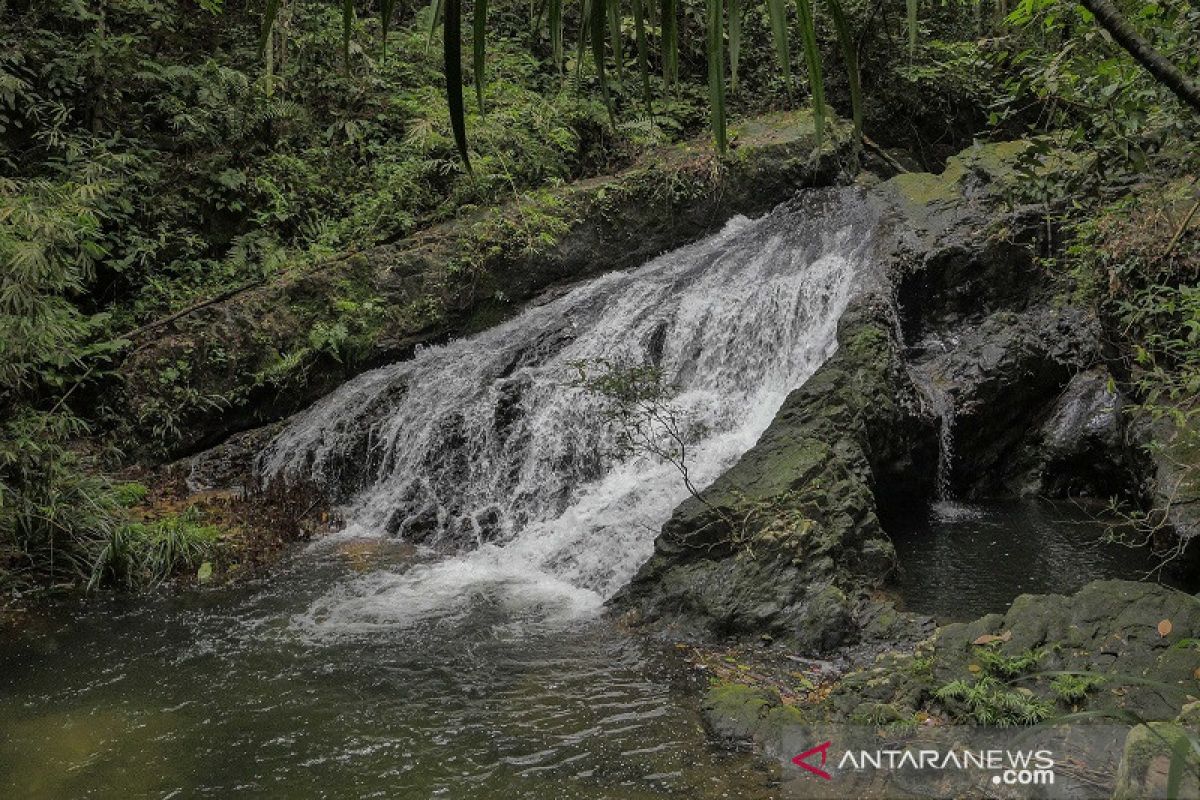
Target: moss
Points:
(741, 711)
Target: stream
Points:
(450, 641)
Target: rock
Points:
(807, 488)
(998, 378)
(1109, 629)
(266, 352)
(1080, 447)
(1172, 453)
(739, 714)
(1147, 760)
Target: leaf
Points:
(643, 58)
(989, 638)
(974, 669)
(556, 32)
(598, 22)
(204, 574)
(435, 16)
(452, 52)
(269, 15)
(716, 73)
(478, 39)
(912, 27)
(614, 25)
(1164, 627)
(779, 35)
(850, 57)
(387, 9)
(735, 42)
(812, 56)
(670, 42)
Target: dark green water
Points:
(960, 561)
(237, 693)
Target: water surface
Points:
(258, 692)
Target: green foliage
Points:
(995, 663)
(143, 555)
(988, 701)
(1073, 688)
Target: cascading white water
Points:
(484, 447)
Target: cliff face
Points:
(963, 345)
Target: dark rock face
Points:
(975, 347)
(1080, 447)
(807, 490)
(997, 378)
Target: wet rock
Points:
(783, 541)
(1146, 763)
(738, 714)
(1080, 447)
(997, 379)
(1111, 629)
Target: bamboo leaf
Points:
(585, 29)
(478, 39)
(387, 9)
(452, 51)
(716, 72)
(598, 23)
(614, 25)
(643, 58)
(735, 42)
(812, 57)
(269, 15)
(912, 26)
(347, 25)
(670, 42)
(850, 57)
(556, 33)
(778, 15)
(435, 16)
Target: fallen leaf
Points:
(974, 669)
(1196, 673)
(1164, 627)
(204, 574)
(989, 638)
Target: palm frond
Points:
(735, 42)
(643, 57)
(778, 15)
(812, 57)
(452, 51)
(850, 57)
(478, 40)
(716, 72)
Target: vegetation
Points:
(988, 698)
(156, 156)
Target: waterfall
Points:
(485, 451)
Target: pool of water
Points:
(959, 561)
(264, 691)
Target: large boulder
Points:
(783, 542)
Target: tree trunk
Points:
(1167, 73)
